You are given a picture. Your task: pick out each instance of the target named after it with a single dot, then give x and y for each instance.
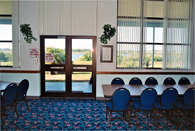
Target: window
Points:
(6, 33)
(154, 34)
(5, 40)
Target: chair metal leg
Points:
(106, 113)
(178, 115)
(131, 110)
(146, 114)
(2, 121)
(136, 119)
(156, 119)
(26, 104)
(129, 117)
(16, 110)
(110, 113)
(154, 112)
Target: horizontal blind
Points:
(68, 17)
(128, 44)
(178, 34)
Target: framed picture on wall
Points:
(106, 54)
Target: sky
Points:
(76, 43)
(6, 34)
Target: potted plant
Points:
(27, 33)
(108, 33)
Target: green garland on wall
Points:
(27, 33)
(108, 33)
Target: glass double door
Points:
(68, 66)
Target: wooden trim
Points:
(33, 97)
(19, 71)
(102, 98)
(5, 15)
(145, 73)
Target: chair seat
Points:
(134, 98)
(116, 108)
(158, 98)
(179, 105)
(163, 107)
(179, 98)
(137, 105)
(20, 97)
(6, 104)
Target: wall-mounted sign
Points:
(49, 57)
(34, 53)
(106, 53)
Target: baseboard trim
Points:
(102, 98)
(33, 97)
(147, 73)
(38, 97)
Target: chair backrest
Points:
(121, 97)
(117, 80)
(169, 96)
(188, 98)
(9, 94)
(23, 88)
(151, 81)
(184, 80)
(168, 81)
(148, 97)
(135, 81)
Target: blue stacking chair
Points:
(184, 81)
(22, 91)
(169, 81)
(9, 99)
(146, 103)
(135, 81)
(119, 103)
(151, 81)
(117, 81)
(187, 103)
(167, 101)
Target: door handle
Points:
(82, 68)
(56, 67)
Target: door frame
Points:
(68, 64)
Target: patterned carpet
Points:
(78, 114)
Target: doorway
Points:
(68, 66)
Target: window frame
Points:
(7, 41)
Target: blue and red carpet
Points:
(79, 114)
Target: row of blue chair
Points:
(12, 95)
(150, 81)
(121, 102)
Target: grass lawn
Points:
(156, 65)
(75, 62)
(9, 63)
(76, 76)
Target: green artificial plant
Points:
(27, 33)
(108, 33)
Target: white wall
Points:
(29, 13)
(107, 14)
(34, 81)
